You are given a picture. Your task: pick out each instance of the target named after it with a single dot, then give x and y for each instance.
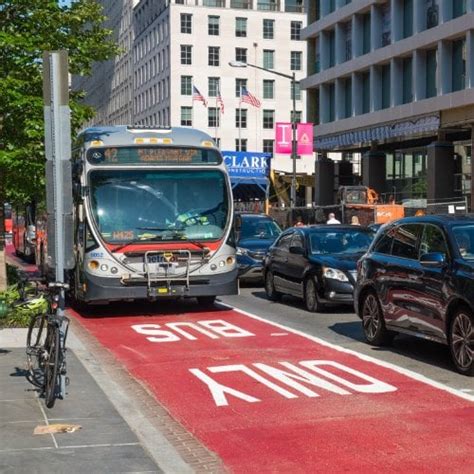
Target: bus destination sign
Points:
(152, 155)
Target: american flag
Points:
(198, 96)
(220, 102)
(247, 97)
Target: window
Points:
(295, 61)
(407, 80)
(365, 92)
(331, 39)
(268, 146)
(186, 116)
(186, 85)
(241, 118)
(268, 58)
(432, 14)
(297, 115)
(213, 86)
(268, 29)
(241, 55)
(365, 33)
(268, 118)
(296, 92)
(239, 84)
(268, 89)
(405, 241)
(295, 30)
(213, 25)
(433, 241)
(407, 6)
(431, 68)
(386, 25)
(213, 56)
(186, 54)
(284, 241)
(186, 23)
(213, 117)
(385, 86)
(459, 64)
(241, 27)
(459, 8)
(241, 144)
(297, 240)
(384, 243)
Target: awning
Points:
(400, 129)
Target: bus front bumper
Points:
(100, 290)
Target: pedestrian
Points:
(355, 220)
(299, 221)
(332, 219)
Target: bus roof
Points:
(123, 135)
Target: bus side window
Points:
(91, 244)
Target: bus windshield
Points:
(161, 205)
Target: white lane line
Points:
(80, 446)
(47, 422)
(409, 373)
(466, 390)
(279, 334)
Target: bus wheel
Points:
(206, 300)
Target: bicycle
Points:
(46, 343)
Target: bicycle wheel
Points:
(35, 349)
(51, 373)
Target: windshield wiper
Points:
(183, 238)
(135, 241)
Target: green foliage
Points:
(13, 314)
(27, 29)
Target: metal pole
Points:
(293, 144)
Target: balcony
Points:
(214, 3)
(271, 6)
(294, 6)
(242, 4)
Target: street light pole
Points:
(293, 121)
(293, 144)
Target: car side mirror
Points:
(297, 250)
(433, 259)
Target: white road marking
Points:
(46, 421)
(80, 446)
(279, 334)
(367, 358)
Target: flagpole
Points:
(240, 120)
(218, 120)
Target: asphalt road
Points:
(342, 326)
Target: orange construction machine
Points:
(363, 202)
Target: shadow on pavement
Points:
(427, 352)
(145, 308)
(299, 304)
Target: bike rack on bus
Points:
(166, 260)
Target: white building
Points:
(181, 43)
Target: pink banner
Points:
(283, 134)
(305, 139)
(283, 138)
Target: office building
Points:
(394, 79)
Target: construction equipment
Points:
(363, 202)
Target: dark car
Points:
(417, 278)
(254, 235)
(316, 263)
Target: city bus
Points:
(23, 231)
(152, 216)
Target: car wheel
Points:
(270, 291)
(461, 342)
(311, 298)
(373, 322)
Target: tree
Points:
(27, 28)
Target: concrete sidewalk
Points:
(105, 442)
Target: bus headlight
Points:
(104, 267)
(222, 263)
(114, 270)
(93, 264)
(230, 260)
(213, 266)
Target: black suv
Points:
(417, 278)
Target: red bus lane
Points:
(268, 399)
